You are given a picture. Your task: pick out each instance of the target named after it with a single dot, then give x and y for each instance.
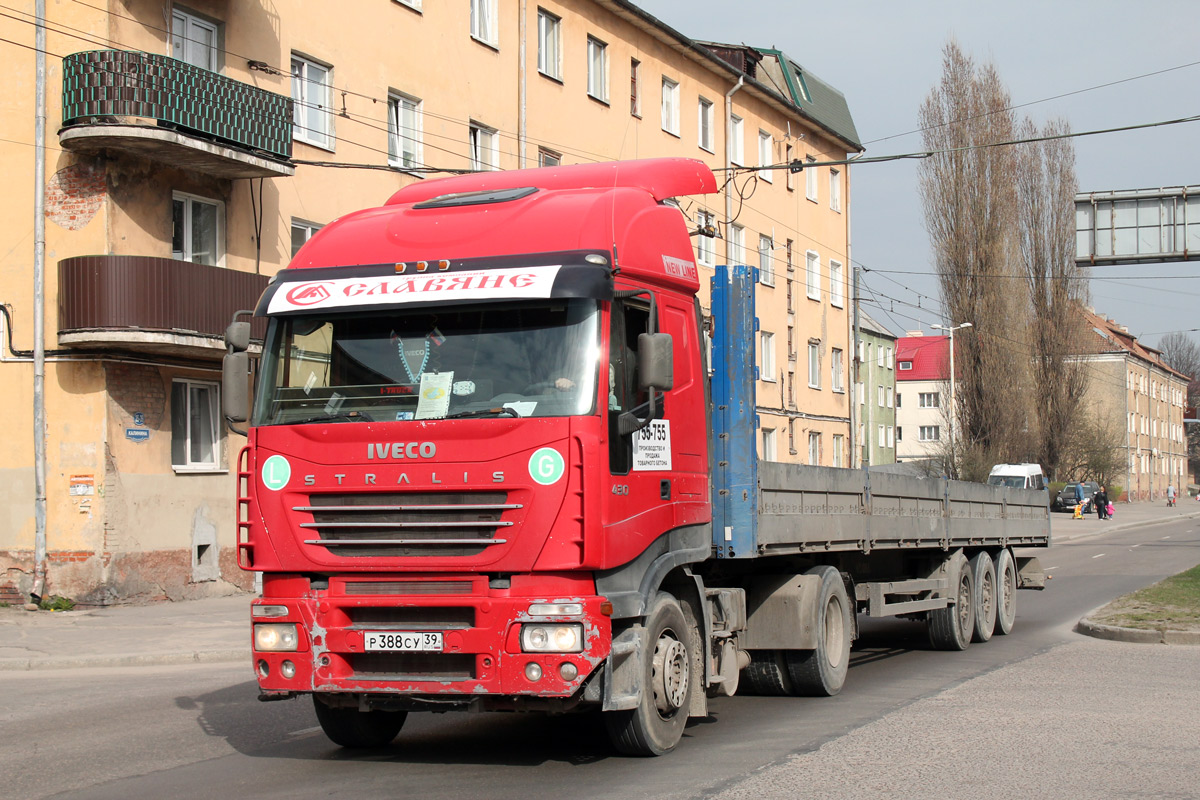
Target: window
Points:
(787, 158)
(889, 397)
(814, 365)
(766, 269)
(814, 448)
(788, 249)
(897, 399)
(198, 229)
(891, 436)
(597, 69)
(704, 244)
(548, 158)
(195, 435)
(835, 190)
(736, 141)
(862, 393)
(670, 106)
(791, 343)
(301, 232)
(905, 366)
(404, 131)
(311, 121)
(812, 275)
(485, 147)
(483, 21)
(929, 433)
(836, 284)
(195, 40)
(927, 399)
(891, 358)
(705, 124)
(839, 444)
(737, 244)
(764, 156)
(880, 396)
(881, 436)
(810, 179)
(767, 344)
(549, 44)
(768, 449)
(899, 434)
(836, 367)
(635, 99)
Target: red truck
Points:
(498, 460)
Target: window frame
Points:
(597, 69)
(635, 88)
(765, 143)
(766, 345)
(814, 365)
(836, 370)
(770, 445)
(934, 429)
(549, 35)
(217, 429)
(475, 144)
(704, 244)
(812, 274)
(326, 138)
(549, 158)
(810, 179)
(483, 23)
(188, 18)
(837, 297)
(737, 140)
(766, 270)
(814, 448)
(705, 119)
(397, 132)
(669, 106)
(309, 229)
(835, 190)
(188, 200)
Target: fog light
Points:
(568, 671)
(287, 669)
(533, 672)
(264, 670)
(277, 637)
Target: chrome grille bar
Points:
(377, 509)
(360, 542)
(463, 524)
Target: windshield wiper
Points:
(345, 416)
(483, 412)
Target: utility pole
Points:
(950, 330)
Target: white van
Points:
(1017, 476)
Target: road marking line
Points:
(1135, 546)
(1163, 537)
(305, 731)
(1099, 555)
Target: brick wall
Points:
(137, 387)
(74, 195)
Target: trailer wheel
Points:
(656, 725)
(983, 572)
(821, 672)
(951, 628)
(352, 728)
(1006, 592)
(765, 675)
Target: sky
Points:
(886, 56)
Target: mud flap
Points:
(623, 670)
(1030, 574)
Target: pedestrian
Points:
(1100, 501)
(1170, 494)
(1078, 499)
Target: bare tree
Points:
(1181, 353)
(969, 199)
(1046, 187)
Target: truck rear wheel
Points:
(1006, 592)
(352, 728)
(951, 628)
(983, 572)
(822, 672)
(766, 675)
(656, 725)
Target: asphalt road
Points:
(199, 732)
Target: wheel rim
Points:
(835, 632)
(964, 604)
(1006, 590)
(987, 595)
(670, 674)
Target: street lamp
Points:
(950, 329)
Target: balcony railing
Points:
(108, 86)
(154, 304)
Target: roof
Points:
(867, 323)
(1101, 335)
(930, 357)
(809, 93)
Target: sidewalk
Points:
(218, 629)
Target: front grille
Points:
(407, 524)
(411, 617)
(424, 666)
(407, 587)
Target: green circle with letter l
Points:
(546, 466)
(276, 471)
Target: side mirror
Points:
(235, 397)
(656, 364)
(237, 336)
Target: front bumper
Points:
(481, 639)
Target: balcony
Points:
(152, 305)
(169, 111)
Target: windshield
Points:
(529, 359)
(1011, 481)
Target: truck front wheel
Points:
(656, 725)
(350, 727)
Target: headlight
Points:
(277, 637)
(268, 611)
(552, 638)
(556, 609)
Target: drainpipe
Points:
(521, 75)
(728, 163)
(39, 310)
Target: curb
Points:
(1136, 635)
(1066, 537)
(141, 660)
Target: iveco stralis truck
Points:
(497, 460)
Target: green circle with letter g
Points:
(546, 466)
(276, 471)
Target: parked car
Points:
(1065, 499)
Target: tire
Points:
(951, 628)
(1006, 592)
(765, 675)
(822, 672)
(669, 678)
(983, 572)
(356, 729)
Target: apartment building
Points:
(191, 149)
(876, 396)
(922, 404)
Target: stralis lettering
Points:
(401, 450)
(372, 479)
